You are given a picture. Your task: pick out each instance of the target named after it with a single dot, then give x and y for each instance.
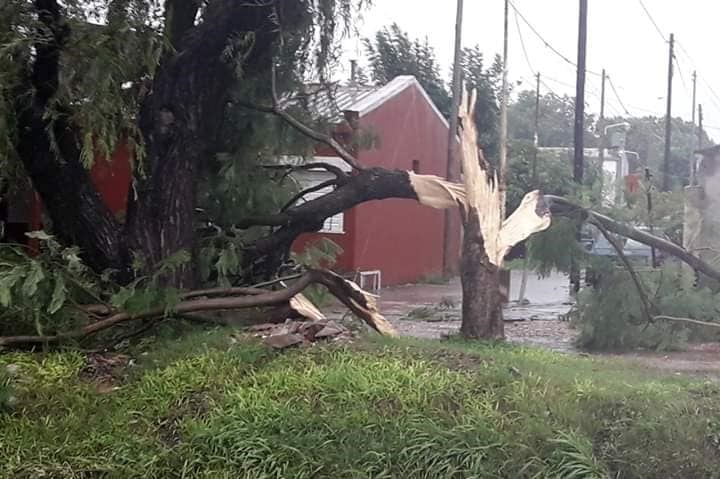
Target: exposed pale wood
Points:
(484, 195)
(436, 192)
(305, 308)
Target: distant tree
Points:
(646, 137)
(392, 53)
(557, 119)
(487, 83)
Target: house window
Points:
(334, 224)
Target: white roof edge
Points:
(374, 100)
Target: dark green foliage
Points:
(556, 248)
(40, 294)
(609, 316)
(392, 53)
(36, 293)
(487, 83)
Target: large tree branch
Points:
(562, 206)
(340, 175)
(367, 185)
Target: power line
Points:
(682, 77)
(647, 12)
(522, 43)
(715, 98)
(615, 92)
(545, 42)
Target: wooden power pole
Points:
(578, 161)
(502, 174)
(700, 127)
(601, 126)
(579, 144)
(694, 96)
(668, 118)
(533, 181)
(453, 162)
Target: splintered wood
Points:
(482, 196)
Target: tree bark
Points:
(47, 146)
(180, 121)
(482, 316)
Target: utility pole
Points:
(601, 127)
(700, 127)
(536, 132)
(693, 164)
(533, 181)
(579, 153)
(502, 174)
(648, 198)
(453, 162)
(694, 104)
(668, 118)
(578, 163)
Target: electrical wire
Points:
(522, 43)
(612, 85)
(680, 73)
(647, 12)
(545, 42)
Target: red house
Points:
(397, 239)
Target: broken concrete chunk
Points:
(283, 341)
(331, 329)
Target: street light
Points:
(617, 125)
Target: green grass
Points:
(207, 406)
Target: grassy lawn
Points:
(207, 406)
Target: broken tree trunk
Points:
(488, 235)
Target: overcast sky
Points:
(621, 39)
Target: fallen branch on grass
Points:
(359, 302)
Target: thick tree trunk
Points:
(482, 316)
(47, 145)
(179, 121)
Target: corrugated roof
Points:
(329, 103)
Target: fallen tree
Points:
(358, 301)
